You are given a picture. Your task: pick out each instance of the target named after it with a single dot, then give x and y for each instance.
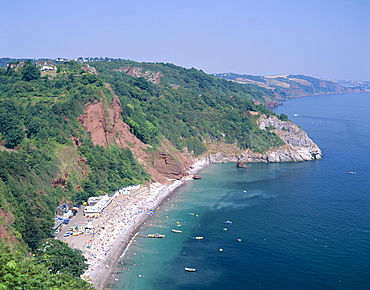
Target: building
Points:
(97, 204)
(46, 65)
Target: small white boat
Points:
(199, 238)
(156, 235)
(176, 231)
(190, 269)
(228, 222)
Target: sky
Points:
(320, 38)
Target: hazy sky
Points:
(320, 38)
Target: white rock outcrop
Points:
(299, 147)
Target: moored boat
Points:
(190, 269)
(176, 231)
(156, 235)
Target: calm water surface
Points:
(294, 225)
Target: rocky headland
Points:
(299, 147)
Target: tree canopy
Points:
(30, 72)
(19, 271)
(60, 258)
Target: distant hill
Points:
(288, 86)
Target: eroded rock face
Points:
(293, 136)
(299, 147)
(106, 128)
(136, 72)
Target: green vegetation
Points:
(189, 107)
(20, 271)
(283, 117)
(39, 120)
(60, 258)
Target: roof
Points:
(45, 63)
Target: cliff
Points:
(93, 128)
(299, 147)
(90, 129)
(106, 128)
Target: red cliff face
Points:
(295, 92)
(106, 128)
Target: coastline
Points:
(116, 226)
(119, 224)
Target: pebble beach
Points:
(114, 228)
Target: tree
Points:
(30, 72)
(283, 117)
(19, 271)
(11, 124)
(14, 136)
(60, 258)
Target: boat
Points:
(190, 269)
(199, 238)
(156, 235)
(228, 222)
(176, 231)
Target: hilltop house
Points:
(15, 65)
(45, 65)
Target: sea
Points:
(302, 225)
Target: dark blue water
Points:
(294, 225)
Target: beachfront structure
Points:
(97, 204)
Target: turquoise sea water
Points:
(301, 225)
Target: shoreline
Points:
(119, 225)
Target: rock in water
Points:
(241, 165)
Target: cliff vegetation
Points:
(80, 130)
